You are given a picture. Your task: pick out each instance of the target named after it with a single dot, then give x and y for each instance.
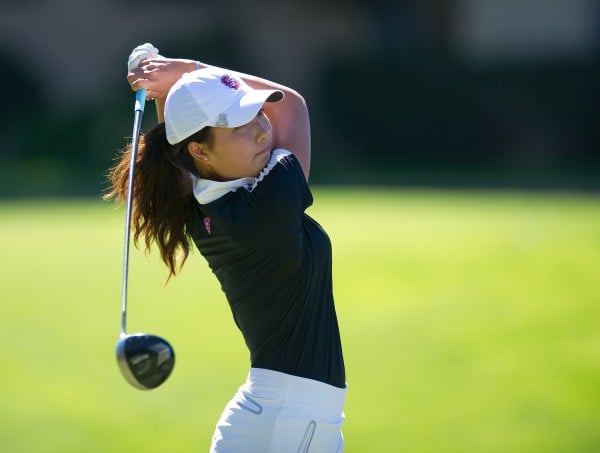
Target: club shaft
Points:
(140, 99)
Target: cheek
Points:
(237, 155)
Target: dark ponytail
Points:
(162, 193)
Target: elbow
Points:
(295, 98)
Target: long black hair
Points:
(162, 193)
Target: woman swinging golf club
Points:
(226, 170)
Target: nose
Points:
(264, 128)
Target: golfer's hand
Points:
(157, 75)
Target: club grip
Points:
(140, 100)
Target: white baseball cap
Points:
(211, 97)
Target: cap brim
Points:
(247, 107)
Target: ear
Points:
(198, 151)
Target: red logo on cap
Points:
(230, 82)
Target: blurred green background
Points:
(456, 166)
(469, 323)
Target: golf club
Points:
(145, 360)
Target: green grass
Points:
(470, 322)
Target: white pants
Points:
(277, 412)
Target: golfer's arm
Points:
(291, 126)
(290, 119)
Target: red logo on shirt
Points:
(230, 82)
(207, 225)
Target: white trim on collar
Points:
(206, 191)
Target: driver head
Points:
(146, 361)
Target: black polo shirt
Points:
(274, 265)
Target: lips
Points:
(264, 151)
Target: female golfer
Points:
(226, 169)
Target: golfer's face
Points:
(243, 151)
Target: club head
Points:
(146, 361)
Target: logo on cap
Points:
(222, 121)
(230, 82)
